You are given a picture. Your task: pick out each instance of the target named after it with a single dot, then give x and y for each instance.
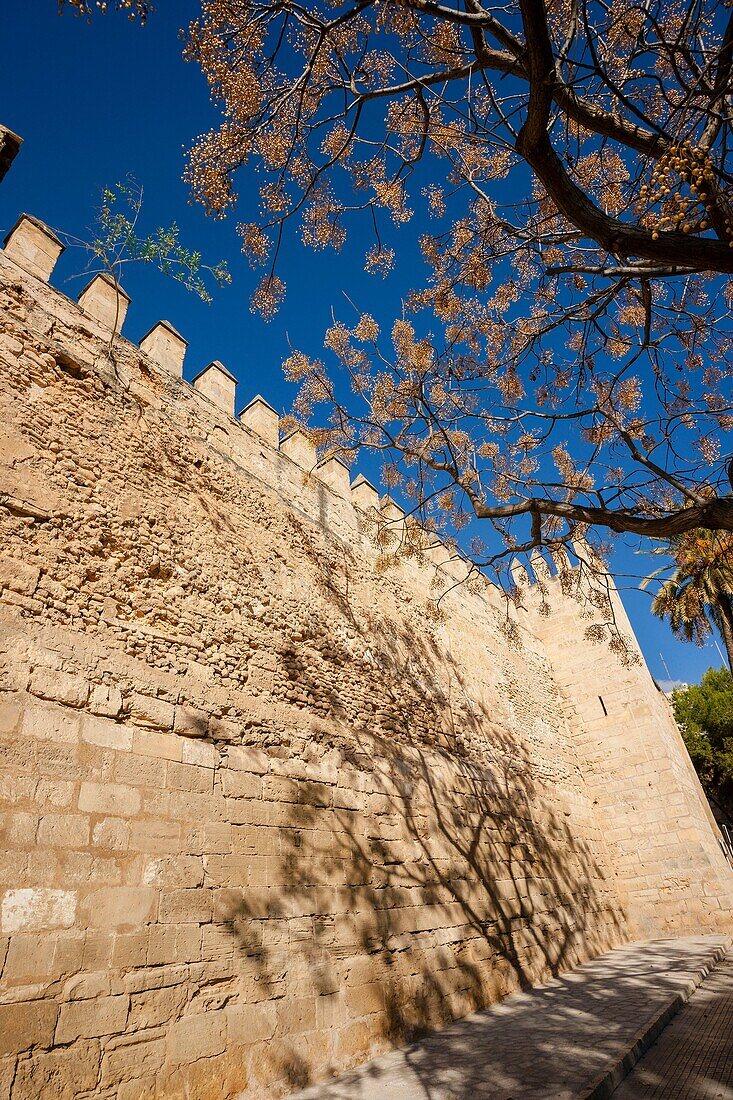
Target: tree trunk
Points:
(725, 606)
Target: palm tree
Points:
(699, 594)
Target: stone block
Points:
(33, 246)
(281, 814)
(330, 1012)
(243, 758)
(105, 301)
(236, 784)
(296, 1016)
(222, 730)
(216, 838)
(63, 1074)
(64, 830)
(261, 418)
(335, 473)
(277, 788)
(92, 1018)
(190, 722)
(174, 871)
(299, 448)
(218, 384)
(9, 715)
(326, 978)
(186, 906)
(229, 904)
(130, 949)
(31, 909)
(250, 1023)
(156, 1007)
(166, 347)
(112, 833)
(189, 806)
(230, 870)
(15, 788)
(142, 1088)
(161, 944)
(26, 1024)
(106, 734)
(315, 794)
(51, 724)
(69, 953)
(29, 958)
(365, 999)
(145, 710)
(105, 701)
(85, 986)
(193, 1037)
(21, 829)
(135, 770)
(61, 687)
(119, 908)
(18, 575)
(393, 517)
(189, 777)
(353, 1043)
(98, 947)
(200, 753)
(7, 1064)
(250, 812)
(166, 746)
(130, 1057)
(195, 1080)
(109, 798)
(254, 841)
(188, 943)
(155, 835)
(363, 494)
(155, 977)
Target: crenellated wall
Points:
(263, 816)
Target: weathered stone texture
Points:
(262, 817)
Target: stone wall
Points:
(656, 818)
(263, 817)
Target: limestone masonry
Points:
(263, 818)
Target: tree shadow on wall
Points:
(430, 875)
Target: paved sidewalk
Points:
(552, 1043)
(693, 1057)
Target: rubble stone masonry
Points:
(262, 817)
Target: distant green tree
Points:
(704, 713)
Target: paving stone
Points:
(693, 1057)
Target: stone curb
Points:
(605, 1084)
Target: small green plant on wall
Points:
(117, 241)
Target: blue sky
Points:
(97, 102)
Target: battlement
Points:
(103, 304)
(35, 249)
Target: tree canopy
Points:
(135, 9)
(562, 360)
(699, 594)
(705, 715)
